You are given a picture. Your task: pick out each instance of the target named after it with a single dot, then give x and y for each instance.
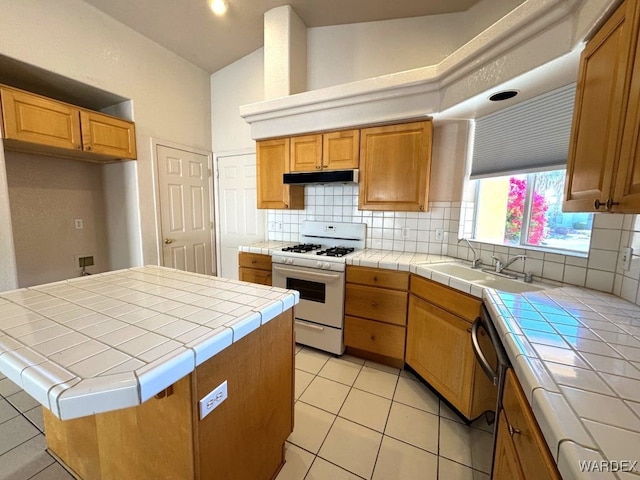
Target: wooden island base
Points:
(164, 438)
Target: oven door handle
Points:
(484, 363)
(306, 325)
(299, 273)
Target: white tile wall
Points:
(600, 270)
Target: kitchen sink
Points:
(483, 279)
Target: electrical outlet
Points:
(439, 234)
(214, 398)
(78, 223)
(627, 253)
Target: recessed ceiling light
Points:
(219, 7)
(504, 95)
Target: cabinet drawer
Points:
(376, 303)
(255, 275)
(378, 277)
(532, 450)
(375, 337)
(254, 260)
(456, 302)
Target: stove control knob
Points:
(319, 264)
(327, 265)
(290, 261)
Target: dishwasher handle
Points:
(484, 363)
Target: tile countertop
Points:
(265, 248)
(576, 353)
(113, 340)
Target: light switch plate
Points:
(214, 398)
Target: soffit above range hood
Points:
(532, 35)
(322, 177)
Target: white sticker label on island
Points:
(214, 398)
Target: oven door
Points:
(321, 293)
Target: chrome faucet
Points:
(476, 262)
(499, 266)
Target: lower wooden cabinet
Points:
(164, 438)
(439, 346)
(522, 450)
(376, 314)
(254, 268)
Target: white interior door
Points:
(185, 212)
(240, 221)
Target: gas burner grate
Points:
(302, 248)
(336, 251)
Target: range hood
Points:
(324, 176)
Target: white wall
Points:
(238, 84)
(171, 98)
(346, 53)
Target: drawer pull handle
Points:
(373, 338)
(513, 431)
(375, 279)
(374, 304)
(254, 261)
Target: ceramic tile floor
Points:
(354, 420)
(360, 420)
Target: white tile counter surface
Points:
(265, 248)
(576, 353)
(113, 340)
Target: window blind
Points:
(531, 136)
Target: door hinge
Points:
(211, 225)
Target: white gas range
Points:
(316, 268)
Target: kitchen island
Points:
(120, 361)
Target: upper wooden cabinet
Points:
(105, 135)
(327, 151)
(395, 164)
(272, 157)
(604, 159)
(38, 124)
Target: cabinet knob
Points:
(318, 167)
(286, 205)
(373, 338)
(254, 261)
(597, 204)
(88, 148)
(375, 279)
(325, 166)
(513, 431)
(374, 304)
(421, 208)
(611, 203)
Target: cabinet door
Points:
(597, 116)
(532, 450)
(439, 350)
(341, 150)
(505, 463)
(627, 190)
(272, 161)
(395, 163)
(34, 119)
(306, 153)
(106, 135)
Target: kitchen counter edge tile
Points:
(576, 353)
(113, 340)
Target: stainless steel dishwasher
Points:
(492, 357)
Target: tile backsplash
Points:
(437, 232)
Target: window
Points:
(526, 210)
